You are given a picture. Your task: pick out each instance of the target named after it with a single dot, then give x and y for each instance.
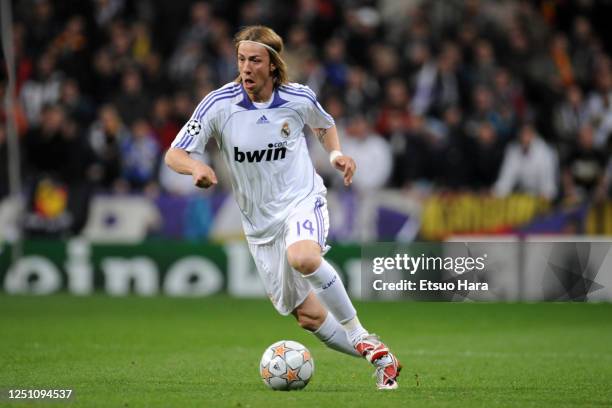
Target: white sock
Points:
(329, 289)
(335, 337)
(354, 330)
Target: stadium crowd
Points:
(492, 96)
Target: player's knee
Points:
(304, 262)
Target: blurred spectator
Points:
(42, 89)
(252, 13)
(561, 58)
(486, 158)
(466, 38)
(529, 166)
(320, 17)
(183, 107)
(456, 153)
(42, 26)
(198, 29)
(204, 84)
(371, 152)
(120, 46)
(509, 96)
(155, 79)
(225, 67)
(599, 103)
(485, 110)
(584, 170)
(361, 91)
(107, 10)
(107, 77)
(336, 69)
(360, 31)
(297, 50)
(132, 101)
(184, 61)
(438, 86)
(140, 156)
(70, 48)
(78, 158)
(485, 66)
(313, 74)
(395, 109)
(384, 62)
(45, 146)
(77, 106)
(412, 29)
(105, 138)
(77, 173)
(425, 72)
(519, 52)
(164, 125)
(569, 117)
(142, 46)
(583, 49)
(418, 65)
(412, 150)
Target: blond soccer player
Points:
(257, 122)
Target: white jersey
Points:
(264, 149)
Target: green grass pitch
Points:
(164, 352)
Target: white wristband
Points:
(333, 155)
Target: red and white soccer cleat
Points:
(377, 353)
(370, 347)
(387, 370)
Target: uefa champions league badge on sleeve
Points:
(194, 127)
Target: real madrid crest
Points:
(285, 131)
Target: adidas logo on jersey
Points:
(262, 120)
(273, 152)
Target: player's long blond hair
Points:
(266, 35)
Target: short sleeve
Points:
(314, 114)
(194, 135)
(202, 125)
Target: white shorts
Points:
(286, 287)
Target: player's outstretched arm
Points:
(180, 161)
(331, 142)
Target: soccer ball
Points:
(286, 365)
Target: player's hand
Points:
(347, 166)
(203, 176)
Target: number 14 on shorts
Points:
(304, 226)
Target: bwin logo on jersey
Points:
(273, 152)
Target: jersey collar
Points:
(247, 104)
